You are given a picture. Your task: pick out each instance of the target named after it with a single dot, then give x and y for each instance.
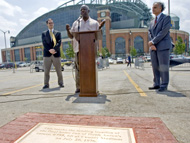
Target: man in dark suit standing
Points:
(160, 44)
(51, 41)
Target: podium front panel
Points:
(87, 62)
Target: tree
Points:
(179, 46)
(70, 53)
(133, 52)
(62, 53)
(107, 52)
(25, 59)
(104, 52)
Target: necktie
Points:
(155, 21)
(53, 38)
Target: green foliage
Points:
(133, 51)
(39, 58)
(62, 53)
(25, 59)
(70, 53)
(104, 52)
(179, 46)
(108, 54)
(98, 53)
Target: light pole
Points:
(130, 38)
(4, 32)
(168, 7)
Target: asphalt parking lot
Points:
(123, 92)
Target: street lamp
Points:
(130, 38)
(168, 7)
(4, 32)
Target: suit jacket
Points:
(48, 43)
(159, 33)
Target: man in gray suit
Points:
(160, 44)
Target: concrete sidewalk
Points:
(21, 92)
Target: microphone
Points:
(79, 17)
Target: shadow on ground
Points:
(100, 99)
(172, 93)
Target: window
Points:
(120, 50)
(139, 45)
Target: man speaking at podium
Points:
(83, 23)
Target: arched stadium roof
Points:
(69, 12)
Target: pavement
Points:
(123, 93)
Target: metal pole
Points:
(5, 46)
(168, 7)
(4, 32)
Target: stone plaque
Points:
(63, 133)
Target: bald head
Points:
(84, 11)
(84, 6)
(157, 8)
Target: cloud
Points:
(8, 9)
(185, 26)
(40, 12)
(24, 22)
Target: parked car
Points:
(2, 66)
(39, 66)
(66, 62)
(9, 65)
(110, 60)
(172, 56)
(23, 64)
(147, 58)
(28, 64)
(119, 60)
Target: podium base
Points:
(88, 94)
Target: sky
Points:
(16, 14)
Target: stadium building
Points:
(126, 26)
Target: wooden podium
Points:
(87, 62)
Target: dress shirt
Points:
(89, 25)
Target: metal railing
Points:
(139, 63)
(102, 63)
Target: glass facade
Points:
(8, 56)
(27, 54)
(120, 47)
(139, 45)
(17, 55)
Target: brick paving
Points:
(147, 130)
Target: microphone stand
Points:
(79, 23)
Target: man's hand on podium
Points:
(102, 24)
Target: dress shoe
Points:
(154, 87)
(77, 91)
(46, 86)
(61, 85)
(161, 89)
